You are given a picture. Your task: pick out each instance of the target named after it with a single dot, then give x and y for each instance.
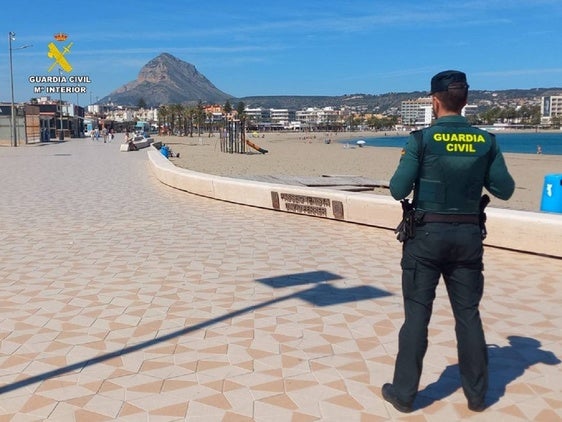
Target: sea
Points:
(521, 143)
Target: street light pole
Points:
(11, 37)
(61, 133)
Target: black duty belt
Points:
(450, 218)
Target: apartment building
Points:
(416, 112)
(258, 115)
(312, 116)
(551, 106)
(419, 112)
(282, 116)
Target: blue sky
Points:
(307, 47)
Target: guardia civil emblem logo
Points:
(59, 56)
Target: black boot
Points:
(389, 395)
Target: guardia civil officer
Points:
(447, 165)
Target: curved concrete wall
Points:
(539, 233)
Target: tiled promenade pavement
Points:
(123, 299)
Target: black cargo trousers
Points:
(453, 250)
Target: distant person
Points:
(539, 149)
(131, 143)
(129, 138)
(446, 165)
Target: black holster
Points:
(406, 228)
(484, 201)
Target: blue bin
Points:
(552, 193)
(165, 151)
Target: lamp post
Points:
(61, 133)
(12, 37)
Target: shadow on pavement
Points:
(506, 364)
(322, 294)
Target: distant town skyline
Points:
(317, 47)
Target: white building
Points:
(257, 114)
(122, 114)
(313, 116)
(307, 118)
(419, 112)
(416, 112)
(469, 110)
(551, 107)
(281, 116)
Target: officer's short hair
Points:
(453, 99)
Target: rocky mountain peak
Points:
(162, 67)
(167, 80)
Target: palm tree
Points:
(183, 120)
(209, 118)
(175, 118)
(199, 117)
(163, 115)
(189, 113)
(227, 108)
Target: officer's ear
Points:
(435, 104)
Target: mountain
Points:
(167, 80)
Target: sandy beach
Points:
(299, 154)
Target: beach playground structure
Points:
(233, 139)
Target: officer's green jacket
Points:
(449, 168)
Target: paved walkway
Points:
(121, 298)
